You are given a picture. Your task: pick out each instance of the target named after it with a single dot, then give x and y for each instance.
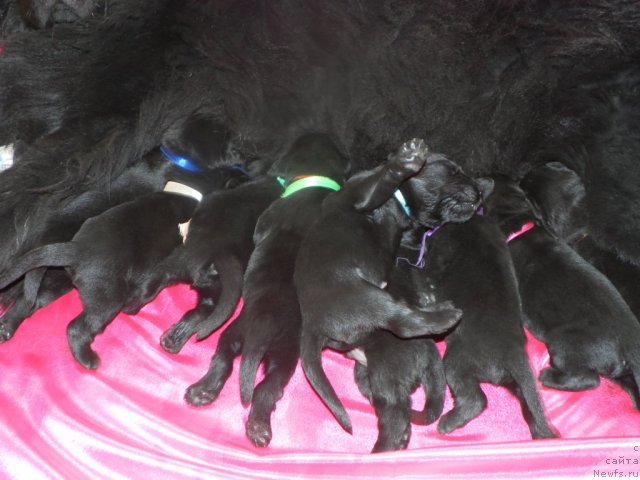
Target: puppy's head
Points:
(558, 198)
(507, 201)
(442, 193)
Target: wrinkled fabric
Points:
(129, 420)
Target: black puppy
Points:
(213, 258)
(471, 265)
(191, 145)
(111, 251)
(557, 195)
(569, 305)
(269, 325)
(392, 368)
(47, 284)
(344, 263)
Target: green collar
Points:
(306, 182)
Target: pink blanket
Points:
(129, 420)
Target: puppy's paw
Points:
(410, 158)
(86, 357)
(199, 395)
(583, 380)
(446, 424)
(176, 337)
(258, 432)
(6, 332)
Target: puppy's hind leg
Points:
(101, 305)
(279, 368)
(179, 333)
(207, 389)
(434, 383)
(524, 388)
(173, 269)
(469, 399)
(55, 283)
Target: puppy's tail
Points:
(311, 355)
(52, 255)
(524, 387)
(32, 281)
(252, 354)
(231, 272)
(434, 385)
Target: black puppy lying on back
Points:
(568, 304)
(344, 263)
(269, 325)
(392, 368)
(471, 265)
(558, 197)
(213, 258)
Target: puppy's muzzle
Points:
(461, 205)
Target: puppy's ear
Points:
(485, 185)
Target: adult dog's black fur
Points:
(471, 265)
(110, 252)
(568, 304)
(268, 328)
(393, 367)
(344, 263)
(213, 258)
(501, 85)
(558, 198)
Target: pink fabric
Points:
(128, 419)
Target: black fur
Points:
(268, 328)
(344, 263)
(471, 265)
(501, 85)
(569, 305)
(557, 195)
(213, 259)
(395, 367)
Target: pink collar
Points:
(524, 229)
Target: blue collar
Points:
(181, 162)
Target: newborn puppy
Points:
(471, 265)
(110, 252)
(557, 196)
(191, 145)
(568, 304)
(213, 258)
(344, 262)
(269, 325)
(45, 285)
(393, 368)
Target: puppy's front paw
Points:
(258, 432)
(411, 157)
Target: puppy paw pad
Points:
(259, 433)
